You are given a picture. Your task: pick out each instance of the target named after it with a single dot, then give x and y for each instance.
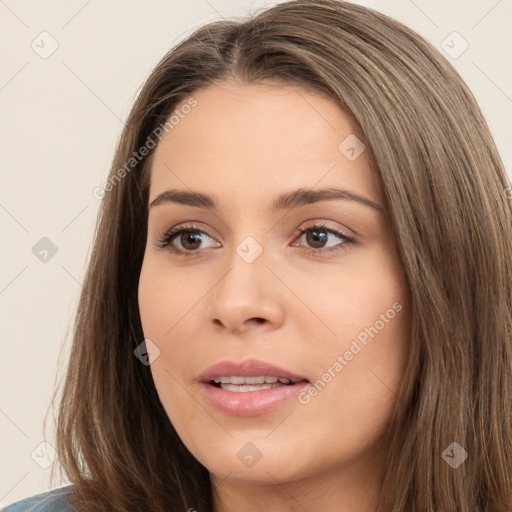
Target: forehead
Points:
(260, 138)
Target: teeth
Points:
(246, 387)
(251, 380)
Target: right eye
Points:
(188, 236)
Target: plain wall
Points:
(61, 118)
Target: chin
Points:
(259, 460)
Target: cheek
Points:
(372, 333)
(170, 310)
(368, 309)
(352, 303)
(164, 298)
(357, 382)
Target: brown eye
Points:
(185, 240)
(190, 240)
(317, 237)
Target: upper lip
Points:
(247, 368)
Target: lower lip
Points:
(251, 403)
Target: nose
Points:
(247, 296)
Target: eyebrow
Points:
(287, 201)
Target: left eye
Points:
(191, 237)
(318, 236)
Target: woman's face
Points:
(328, 307)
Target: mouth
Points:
(250, 387)
(242, 384)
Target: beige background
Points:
(61, 117)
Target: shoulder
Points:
(55, 500)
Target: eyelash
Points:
(165, 241)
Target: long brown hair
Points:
(444, 187)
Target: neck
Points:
(353, 488)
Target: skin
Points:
(245, 145)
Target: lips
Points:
(250, 387)
(249, 368)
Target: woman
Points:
(300, 292)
